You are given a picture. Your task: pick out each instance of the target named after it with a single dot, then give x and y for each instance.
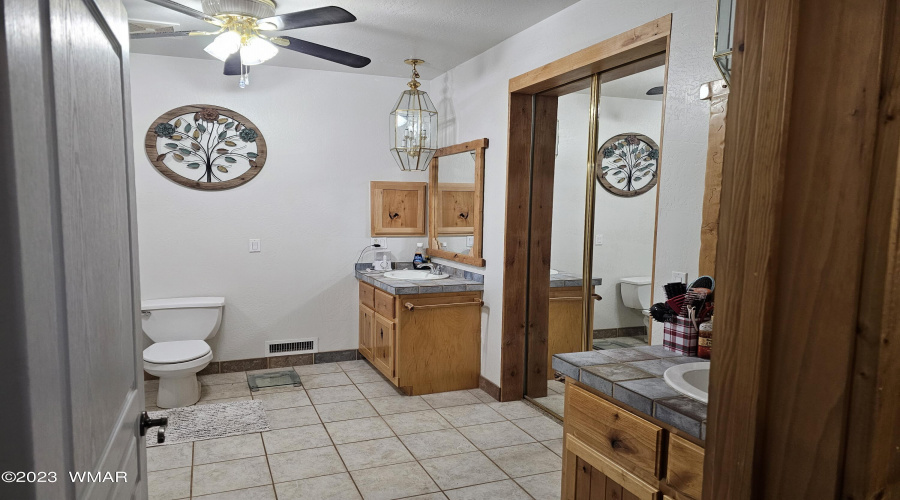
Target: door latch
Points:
(161, 422)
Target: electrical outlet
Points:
(598, 240)
(380, 241)
(680, 277)
(255, 246)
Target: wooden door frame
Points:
(529, 192)
(804, 388)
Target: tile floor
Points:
(347, 434)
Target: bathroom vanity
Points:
(564, 332)
(626, 434)
(423, 336)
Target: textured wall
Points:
(473, 101)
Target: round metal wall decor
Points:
(627, 164)
(205, 147)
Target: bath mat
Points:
(199, 422)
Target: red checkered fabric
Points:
(681, 336)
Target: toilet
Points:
(179, 329)
(636, 295)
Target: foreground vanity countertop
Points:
(565, 280)
(459, 281)
(634, 377)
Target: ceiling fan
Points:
(243, 40)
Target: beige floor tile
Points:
(223, 378)
(495, 435)
(482, 396)
(334, 394)
(546, 486)
(228, 448)
(555, 403)
(437, 444)
(320, 380)
(458, 471)
(222, 391)
(257, 493)
(169, 484)
(515, 409)
(417, 421)
(279, 400)
(361, 429)
(540, 428)
(345, 410)
(359, 364)
(430, 496)
(374, 453)
(151, 385)
(232, 475)
(292, 417)
(393, 481)
(399, 404)
(378, 389)
(320, 368)
(333, 487)
(506, 490)
(461, 416)
(296, 438)
(169, 456)
(525, 459)
(556, 386)
(555, 445)
(363, 376)
(304, 464)
(445, 399)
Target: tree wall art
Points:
(627, 164)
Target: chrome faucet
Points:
(435, 268)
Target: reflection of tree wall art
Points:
(628, 164)
(205, 147)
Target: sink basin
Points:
(413, 274)
(690, 379)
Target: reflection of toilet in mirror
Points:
(636, 295)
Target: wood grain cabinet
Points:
(610, 453)
(422, 343)
(564, 332)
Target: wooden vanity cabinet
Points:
(610, 453)
(422, 343)
(564, 332)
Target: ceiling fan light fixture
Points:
(224, 45)
(257, 51)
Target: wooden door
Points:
(74, 384)
(366, 330)
(384, 345)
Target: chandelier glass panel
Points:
(414, 126)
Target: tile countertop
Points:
(634, 376)
(564, 279)
(459, 281)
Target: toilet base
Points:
(178, 391)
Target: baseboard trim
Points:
(242, 365)
(489, 387)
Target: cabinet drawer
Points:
(384, 304)
(685, 469)
(367, 295)
(621, 436)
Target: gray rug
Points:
(209, 421)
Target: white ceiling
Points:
(634, 86)
(444, 33)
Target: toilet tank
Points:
(186, 318)
(636, 292)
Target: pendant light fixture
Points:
(414, 126)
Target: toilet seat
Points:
(178, 351)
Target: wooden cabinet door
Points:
(588, 475)
(366, 331)
(385, 330)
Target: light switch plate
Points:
(379, 241)
(470, 241)
(680, 277)
(255, 246)
(598, 239)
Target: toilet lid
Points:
(177, 351)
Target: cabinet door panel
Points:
(366, 331)
(384, 345)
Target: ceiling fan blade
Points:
(162, 34)
(306, 19)
(177, 7)
(233, 65)
(323, 52)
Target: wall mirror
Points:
(456, 198)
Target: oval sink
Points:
(690, 379)
(414, 274)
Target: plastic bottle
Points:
(419, 258)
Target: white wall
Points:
(473, 102)
(327, 138)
